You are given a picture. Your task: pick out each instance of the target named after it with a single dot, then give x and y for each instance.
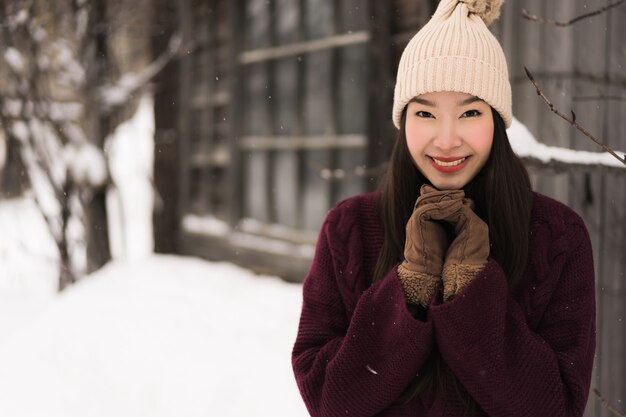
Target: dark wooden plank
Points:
(184, 113)
(234, 177)
(380, 129)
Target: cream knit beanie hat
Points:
(455, 51)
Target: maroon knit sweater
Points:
(529, 353)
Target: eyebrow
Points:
(465, 102)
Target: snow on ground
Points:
(159, 336)
(28, 260)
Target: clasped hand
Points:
(432, 255)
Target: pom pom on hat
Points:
(455, 51)
(488, 10)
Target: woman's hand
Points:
(468, 252)
(426, 243)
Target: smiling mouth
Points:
(448, 163)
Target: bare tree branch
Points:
(116, 95)
(607, 404)
(534, 18)
(40, 136)
(572, 121)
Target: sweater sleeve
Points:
(509, 369)
(358, 364)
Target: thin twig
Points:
(534, 18)
(573, 121)
(608, 405)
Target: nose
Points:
(447, 137)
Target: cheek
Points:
(415, 138)
(481, 138)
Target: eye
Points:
(423, 114)
(471, 113)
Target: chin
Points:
(447, 185)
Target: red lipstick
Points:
(448, 164)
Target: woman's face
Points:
(449, 136)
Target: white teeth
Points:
(449, 164)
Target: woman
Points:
(455, 290)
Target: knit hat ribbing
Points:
(455, 51)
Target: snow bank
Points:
(164, 336)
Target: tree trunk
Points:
(96, 221)
(165, 219)
(13, 180)
(97, 232)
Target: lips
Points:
(448, 164)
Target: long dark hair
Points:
(503, 198)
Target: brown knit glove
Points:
(426, 243)
(468, 252)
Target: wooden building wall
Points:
(581, 68)
(274, 123)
